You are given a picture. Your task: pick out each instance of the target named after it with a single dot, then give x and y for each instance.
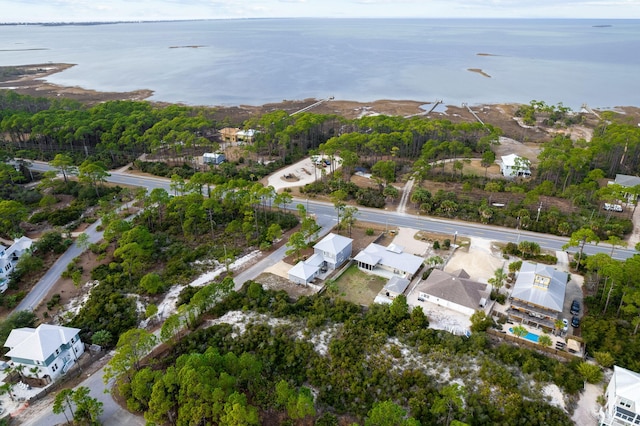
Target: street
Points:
(326, 217)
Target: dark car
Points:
(575, 322)
(575, 307)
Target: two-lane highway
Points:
(392, 218)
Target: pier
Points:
(464, 105)
(434, 106)
(307, 108)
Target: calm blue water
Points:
(260, 61)
(529, 336)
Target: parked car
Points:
(575, 307)
(575, 322)
(565, 324)
(612, 207)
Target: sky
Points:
(150, 10)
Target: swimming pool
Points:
(530, 336)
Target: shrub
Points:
(369, 231)
(436, 245)
(446, 244)
(426, 273)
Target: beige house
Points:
(229, 134)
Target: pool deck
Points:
(558, 342)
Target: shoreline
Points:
(31, 80)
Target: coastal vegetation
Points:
(375, 362)
(326, 360)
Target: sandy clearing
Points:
(479, 262)
(586, 413)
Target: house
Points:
(245, 136)
(455, 291)
(50, 349)
(627, 181)
(622, 406)
(213, 158)
(394, 288)
(9, 258)
(335, 249)
(236, 136)
(304, 272)
(515, 166)
(328, 254)
(388, 261)
(229, 134)
(538, 295)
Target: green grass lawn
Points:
(358, 287)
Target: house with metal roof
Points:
(328, 254)
(622, 406)
(627, 181)
(455, 291)
(513, 165)
(9, 258)
(538, 295)
(52, 349)
(388, 261)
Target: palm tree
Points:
(498, 279)
(545, 340)
(520, 331)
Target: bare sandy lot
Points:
(480, 261)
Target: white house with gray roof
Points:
(538, 294)
(622, 406)
(328, 254)
(627, 181)
(455, 291)
(388, 261)
(52, 349)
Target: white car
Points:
(565, 324)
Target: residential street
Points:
(40, 412)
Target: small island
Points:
(479, 71)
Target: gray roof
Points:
(303, 270)
(333, 243)
(404, 262)
(551, 297)
(316, 259)
(455, 287)
(627, 181)
(397, 284)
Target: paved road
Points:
(41, 289)
(113, 415)
(392, 218)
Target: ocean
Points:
(257, 61)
